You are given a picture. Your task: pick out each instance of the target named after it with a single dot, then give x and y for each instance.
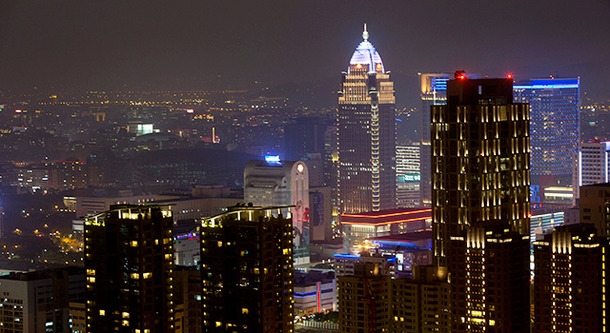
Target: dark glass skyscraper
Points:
(480, 159)
(366, 134)
(554, 129)
(129, 262)
(246, 270)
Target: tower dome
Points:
(366, 54)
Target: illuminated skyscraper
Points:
(433, 92)
(366, 134)
(480, 159)
(554, 129)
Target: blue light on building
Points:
(346, 256)
(273, 159)
(554, 127)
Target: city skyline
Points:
(213, 167)
(187, 46)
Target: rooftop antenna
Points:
(365, 34)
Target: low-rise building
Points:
(357, 228)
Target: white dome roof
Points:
(366, 54)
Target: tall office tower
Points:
(595, 207)
(591, 165)
(247, 272)
(367, 134)
(421, 304)
(489, 270)
(480, 160)
(554, 130)
(408, 176)
(364, 299)
(304, 135)
(331, 171)
(433, 92)
(275, 183)
(570, 280)
(130, 269)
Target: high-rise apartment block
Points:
(247, 270)
(554, 129)
(364, 299)
(433, 92)
(489, 272)
(366, 126)
(275, 183)
(421, 303)
(570, 281)
(591, 165)
(129, 266)
(480, 160)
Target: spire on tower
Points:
(365, 34)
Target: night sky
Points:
(84, 44)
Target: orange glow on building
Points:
(395, 217)
(386, 215)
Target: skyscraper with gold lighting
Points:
(366, 134)
(480, 160)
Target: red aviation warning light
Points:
(460, 75)
(509, 76)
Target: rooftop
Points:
(390, 216)
(366, 54)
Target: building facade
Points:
(408, 176)
(421, 304)
(366, 125)
(554, 129)
(591, 165)
(490, 288)
(595, 207)
(40, 301)
(314, 292)
(247, 270)
(433, 92)
(357, 228)
(129, 266)
(570, 279)
(480, 160)
(275, 183)
(364, 299)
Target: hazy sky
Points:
(86, 44)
